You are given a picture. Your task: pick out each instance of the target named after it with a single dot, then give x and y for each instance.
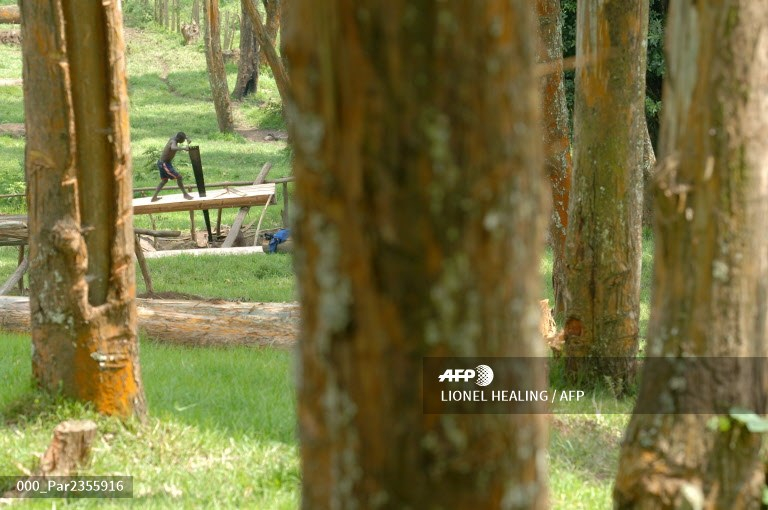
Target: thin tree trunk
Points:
(603, 247)
(557, 143)
(418, 233)
(273, 10)
(217, 74)
(81, 268)
(710, 297)
(196, 12)
(248, 69)
(278, 71)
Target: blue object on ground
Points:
(280, 236)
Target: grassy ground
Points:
(221, 432)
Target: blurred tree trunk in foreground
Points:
(78, 165)
(710, 288)
(557, 143)
(603, 246)
(419, 233)
(217, 74)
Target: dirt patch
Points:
(263, 135)
(14, 130)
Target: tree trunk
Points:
(196, 12)
(217, 74)
(711, 269)
(603, 248)
(278, 71)
(649, 168)
(386, 152)
(81, 268)
(273, 10)
(557, 144)
(248, 69)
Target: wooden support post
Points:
(235, 229)
(143, 265)
(218, 224)
(21, 260)
(286, 219)
(17, 276)
(192, 226)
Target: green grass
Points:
(220, 434)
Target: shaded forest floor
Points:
(222, 432)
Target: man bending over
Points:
(164, 165)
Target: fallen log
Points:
(192, 323)
(10, 15)
(14, 228)
(157, 233)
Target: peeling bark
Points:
(603, 247)
(81, 270)
(710, 296)
(557, 143)
(217, 74)
(419, 230)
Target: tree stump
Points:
(190, 32)
(70, 448)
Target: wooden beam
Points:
(240, 218)
(143, 265)
(246, 250)
(15, 277)
(157, 233)
(10, 15)
(195, 323)
(235, 197)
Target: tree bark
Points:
(217, 74)
(273, 10)
(384, 152)
(603, 247)
(557, 143)
(196, 323)
(81, 269)
(248, 69)
(710, 282)
(278, 71)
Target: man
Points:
(164, 165)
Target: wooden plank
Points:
(240, 218)
(233, 197)
(246, 250)
(15, 277)
(14, 228)
(157, 233)
(143, 265)
(197, 323)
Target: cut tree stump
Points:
(194, 323)
(70, 449)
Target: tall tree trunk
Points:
(196, 12)
(649, 168)
(419, 234)
(557, 143)
(278, 70)
(273, 9)
(603, 247)
(217, 74)
(248, 69)
(81, 269)
(711, 268)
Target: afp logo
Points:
(482, 374)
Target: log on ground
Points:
(192, 323)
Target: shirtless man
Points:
(164, 165)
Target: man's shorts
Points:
(167, 171)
